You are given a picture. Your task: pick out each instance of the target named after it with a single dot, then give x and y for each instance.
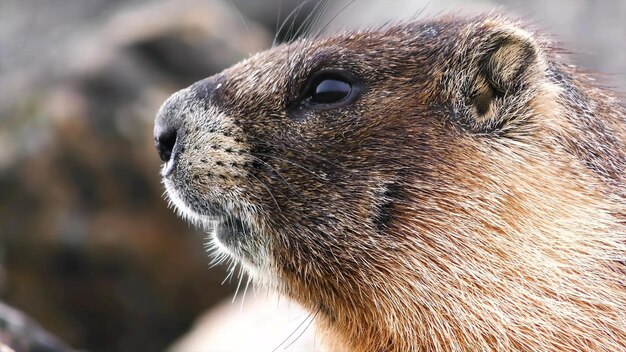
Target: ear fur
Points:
(508, 62)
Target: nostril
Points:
(165, 142)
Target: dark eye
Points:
(330, 90)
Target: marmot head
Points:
(435, 181)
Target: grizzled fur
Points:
(472, 198)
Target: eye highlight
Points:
(329, 90)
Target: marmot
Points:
(441, 185)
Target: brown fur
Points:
(472, 198)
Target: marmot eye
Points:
(330, 90)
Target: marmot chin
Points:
(441, 185)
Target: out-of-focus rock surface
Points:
(593, 31)
(20, 333)
(88, 245)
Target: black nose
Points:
(165, 140)
(169, 130)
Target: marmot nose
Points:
(168, 127)
(165, 140)
(169, 123)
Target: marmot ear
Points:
(509, 61)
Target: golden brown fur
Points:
(472, 198)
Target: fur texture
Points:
(471, 199)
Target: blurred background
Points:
(88, 247)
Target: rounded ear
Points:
(508, 62)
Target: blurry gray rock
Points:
(593, 31)
(88, 245)
(20, 333)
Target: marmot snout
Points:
(440, 185)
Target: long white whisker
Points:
(303, 330)
(306, 20)
(321, 31)
(286, 20)
(238, 284)
(309, 316)
(245, 23)
(243, 296)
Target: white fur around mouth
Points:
(261, 272)
(208, 223)
(205, 222)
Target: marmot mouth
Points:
(231, 231)
(211, 214)
(228, 226)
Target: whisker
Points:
(321, 31)
(238, 283)
(293, 163)
(286, 20)
(245, 23)
(309, 316)
(245, 290)
(280, 8)
(304, 330)
(230, 272)
(289, 35)
(307, 18)
(219, 258)
(268, 191)
(419, 13)
(301, 151)
(273, 170)
(317, 18)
